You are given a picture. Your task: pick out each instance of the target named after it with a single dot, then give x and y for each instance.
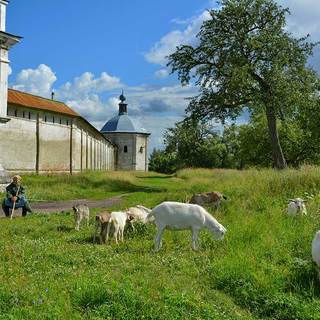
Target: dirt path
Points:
(58, 206)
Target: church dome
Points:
(122, 122)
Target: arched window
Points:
(125, 149)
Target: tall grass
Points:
(262, 270)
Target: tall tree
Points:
(246, 58)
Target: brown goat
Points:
(102, 221)
(213, 197)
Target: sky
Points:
(88, 54)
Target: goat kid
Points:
(214, 197)
(102, 222)
(297, 206)
(118, 220)
(81, 211)
(138, 214)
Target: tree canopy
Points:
(245, 57)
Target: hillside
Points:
(261, 270)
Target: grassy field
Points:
(261, 270)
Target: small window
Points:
(67, 122)
(45, 118)
(60, 121)
(141, 149)
(29, 115)
(23, 114)
(125, 149)
(15, 113)
(53, 119)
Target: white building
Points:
(42, 135)
(131, 141)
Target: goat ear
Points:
(74, 208)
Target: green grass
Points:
(262, 270)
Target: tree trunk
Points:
(278, 158)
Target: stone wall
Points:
(141, 152)
(38, 141)
(130, 156)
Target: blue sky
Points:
(87, 54)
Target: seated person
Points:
(15, 194)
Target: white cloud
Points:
(304, 18)
(168, 43)
(162, 73)
(38, 81)
(93, 108)
(87, 84)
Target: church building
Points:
(43, 135)
(131, 142)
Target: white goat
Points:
(118, 219)
(316, 248)
(81, 211)
(182, 216)
(297, 206)
(138, 214)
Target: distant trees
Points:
(192, 143)
(245, 58)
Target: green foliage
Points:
(246, 59)
(194, 144)
(162, 161)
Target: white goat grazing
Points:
(138, 214)
(81, 211)
(118, 219)
(297, 206)
(182, 216)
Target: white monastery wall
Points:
(17, 151)
(39, 141)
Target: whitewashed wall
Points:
(28, 144)
(133, 159)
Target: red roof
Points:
(36, 102)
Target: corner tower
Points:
(131, 142)
(7, 40)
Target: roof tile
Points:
(36, 102)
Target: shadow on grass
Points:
(304, 279)
(64, 228)
(157, 177)
(116, 186)
(86, 240)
